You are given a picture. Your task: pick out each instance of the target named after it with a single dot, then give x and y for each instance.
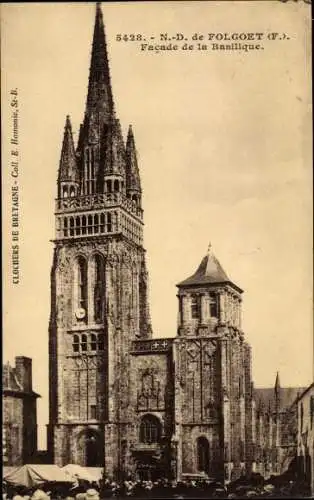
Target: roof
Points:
(266, 396)
(305, 391)
(209, 271)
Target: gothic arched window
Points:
(87, 172)
(109, 223)
(195, 307)
(98, 288)
(96, 223)
(71, 226)
(90, 178)
(82, 283)
(180, 299)
(116, 186)
(65, 226)
(90, 224)
(84, 224)
(84, 343)
(102, 223)
(77, 225)
(76, 343)
(213, 305)
(150, 429)
(92, 173)
(202, 454)
(93, 342)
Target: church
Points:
(119, 398)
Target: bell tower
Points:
(208, 299)
(99, 285)
(213, 377)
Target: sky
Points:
(224, 148)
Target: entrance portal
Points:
(203, 454)
(91, 449)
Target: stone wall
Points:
(13, 429)
(89, 359)
(19, 412)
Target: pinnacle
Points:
(133, 177)
(115, 153)
(99, 88)
(68, 168)
(68, 123)
(277, 383)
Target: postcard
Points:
(157, 247)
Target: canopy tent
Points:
(97, 472)
(31, 475)
(81, 473)
(7, 468)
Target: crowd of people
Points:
(253, 487)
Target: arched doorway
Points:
(202, 455)
(150, 465)
(91, 449)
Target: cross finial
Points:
(209, 248)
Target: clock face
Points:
(80, 313)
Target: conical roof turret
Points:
(209, 271)
(133, 181)
(68, 170)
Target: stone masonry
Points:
(119, 398)
(19, 425)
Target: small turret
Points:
(208, 299)
(68, 178)
(133, 183)
(114, 159)
(277, 390)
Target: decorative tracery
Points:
(150, 429)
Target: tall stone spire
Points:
(99, 97)
(68, 171)
(133, 183)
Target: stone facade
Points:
(118, 397)
(305, 436)
(19, 425)
(275, 422)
